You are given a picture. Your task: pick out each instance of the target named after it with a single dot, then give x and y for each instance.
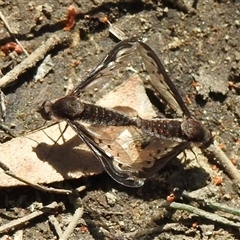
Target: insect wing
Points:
(146, 154)
(158, 151)
(109, 162)
(123, 167)
(135, 152)
(119, 58)
(161, 81)
(104, 72)
(155, 154)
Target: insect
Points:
(148, 143)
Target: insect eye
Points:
(195, 132)
(46, 110)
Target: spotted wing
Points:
(103, 74)
(161, 81)
(128, 155)
(146, 154)
(119, 58)
(154, 155)
(110, 156)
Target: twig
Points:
(2, 104)
(27, 218)
(213, 205)
(211, 216)
(224, 208)
(158, 229)
(18, 235)
(33, 58)
(11, 32)
(224, 161)
(7, 130)
(115, 31)
(37, 186)
(77, 215)
(56, 225)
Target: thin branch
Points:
(12, 33)
(213, 205)
(225, 162)
(21, 221)
(33, 58)
(199, 212)
(37, 186)
(223, 208)
(7, 130)
(158, 229)
(56, 225)
(77, 215)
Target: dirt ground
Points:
(198, 43)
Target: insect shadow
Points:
(69, 158)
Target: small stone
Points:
(111, 199)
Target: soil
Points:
(197, 42)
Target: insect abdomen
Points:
(103, 116)
(162, 128)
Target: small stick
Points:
(37, 186)
(3, 106)
(159, 229)
(56, 225)
(213, 205)
(77, 215)
(18, 235)
(20, 221)
(115, 31)
(34, 57)
(223, 208)
(7, 130)
(224, 161)
(199, 212)
(11, 32)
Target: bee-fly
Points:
(156, 140)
